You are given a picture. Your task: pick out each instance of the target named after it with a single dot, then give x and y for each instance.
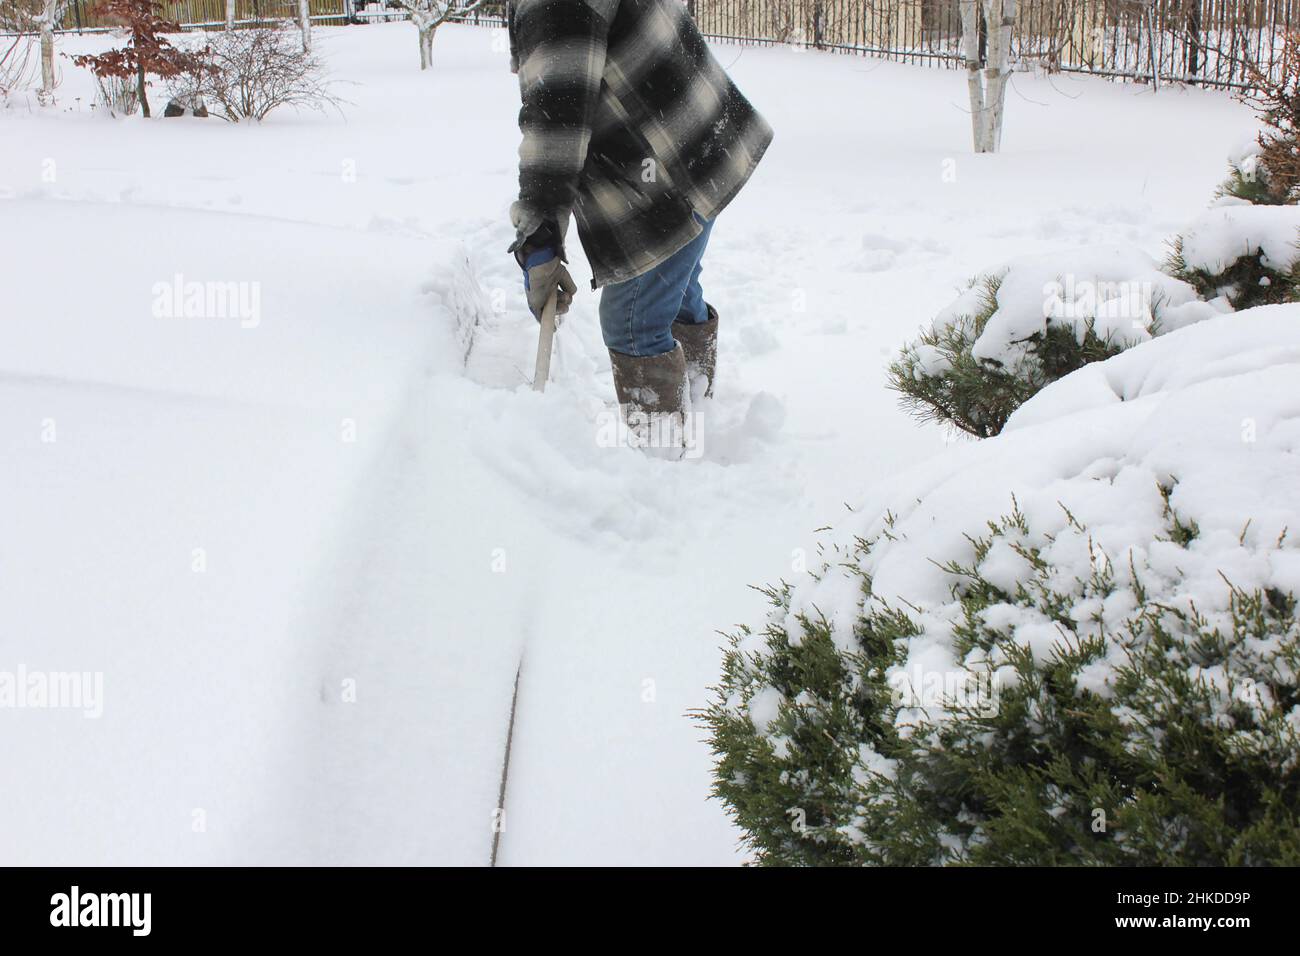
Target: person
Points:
(632, 127)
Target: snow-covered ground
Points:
(305, 546)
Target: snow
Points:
(1231, 230)
(306, 553)
(1209, 413)
(764, 707)
(1109, 289)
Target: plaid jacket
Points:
(629, 123)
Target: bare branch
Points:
(245, 74)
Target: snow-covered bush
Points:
(1249, 180)
(1024, 325)
(1242, 253)
(1273, 91)
(1076, 642)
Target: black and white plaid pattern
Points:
(629, 123)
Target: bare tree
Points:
(16, 61)
(245, 74)
(428, 15)
(987, 70)
(41, 18)
(304, 21)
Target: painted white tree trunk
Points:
(970, 50)
(230, 14)
(986, 78)
(1002, 19)
(304, 18)
(427, 16)
(46, 95)
(425, 19)
(51, 11)
(426, 46)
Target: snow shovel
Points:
(544, 337)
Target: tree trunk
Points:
(51, 10)
(1001, 16)
(987, 55)
(230, 14)
(46, 95)
(139, 88)
(304, 19)
(970, 46)
(426, 47)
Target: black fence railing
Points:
(1206, 42)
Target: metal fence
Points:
(191, 14)
(83, 15)
(1205, 42)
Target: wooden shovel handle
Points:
(544, 336)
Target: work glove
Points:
(544, 273)
(541, 257)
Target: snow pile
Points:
(1211, 413)
(1234, 228)
(1119, 566)
(1244, 158)
(1237, 254)
(1029, 322)
(1112, 291)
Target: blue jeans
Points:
(636, 316)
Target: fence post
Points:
(907, 27)
(983, 33)
(1193, 39)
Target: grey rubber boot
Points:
(700, 345)
(652, 392)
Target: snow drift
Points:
(1084, 626)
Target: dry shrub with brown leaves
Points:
(1275, 95)
(146, 53)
